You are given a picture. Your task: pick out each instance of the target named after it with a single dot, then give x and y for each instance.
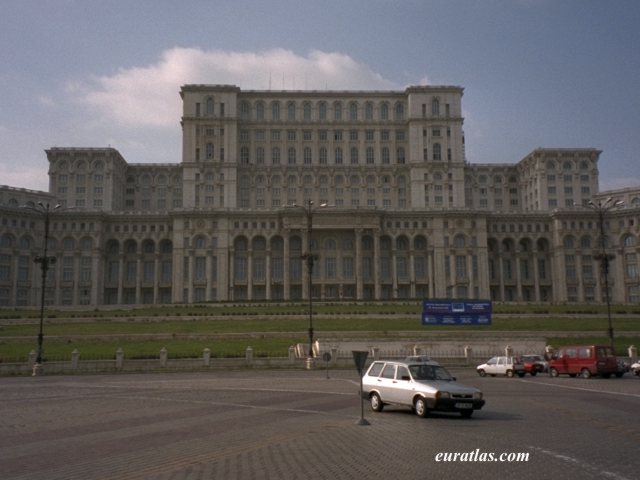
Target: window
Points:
(435, 107)
(353, 111)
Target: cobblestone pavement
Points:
(290, 424)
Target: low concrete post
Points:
(375, 351)
(249, 355)
(164, 355)
(75, 359)
(633, 353)
(119, 359)
(334, 355)
(468, 352)
(417, 350)
(32, 359)
(292, 355)
(548, 352)
(508, 351)
(206, 357)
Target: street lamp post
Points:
(45, 261)
(310, 259)
(602, 208)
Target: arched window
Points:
(338, 156)
(307, 111)
(291, 156)
(354, 156)
(370, 156)
(384, 112)
(400, 155)
(244, 156)
(209, 150)
(368, 111)
(209, 106)
(307, 156)
(245, 111)
(275, 111)
(291, 111)
(399, 111)
(322, 157)
(459, 241)
(353, 111)
(385, 155)
(337, 111)
(275, 155)
(322, 111)
(260, 111)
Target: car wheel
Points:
(585, 373)
(509, 373)
(553, 372)
(534, 373)
(376, 402)
(420, 407)
(482, 373)
(466, 413)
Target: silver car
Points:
(424, 386)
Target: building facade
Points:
(374, 184)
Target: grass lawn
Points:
(92, 332)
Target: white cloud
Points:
(148, 96)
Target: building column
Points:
(358, 265)
(268, 275)
(286, 281)
(536, 273)
(121, 276)
(518, 277)
(138, 280)
(376, 265)
(250, 274)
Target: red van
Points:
(584, 360)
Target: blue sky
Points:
(536, 73)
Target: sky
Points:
(535, 73)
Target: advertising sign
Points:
(456, 312)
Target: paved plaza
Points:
(297, 424)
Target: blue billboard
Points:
(456, 312)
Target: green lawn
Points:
(238, 326)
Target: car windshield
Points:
(429, 372)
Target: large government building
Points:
(374, 185)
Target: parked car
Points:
(543, 364)
(533, 364)
(623, 367)
(635, 368)
(508, 366)
(424, 386)
(584, 360)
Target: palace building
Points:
(374, 185)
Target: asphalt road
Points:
(289, 424)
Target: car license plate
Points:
(463, 405)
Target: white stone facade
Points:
(406, 215)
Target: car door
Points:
(492, 366)
(501, 367)
(401, 390)
(386, 382)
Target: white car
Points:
(635, 368)
(508, 366)
(424, 386)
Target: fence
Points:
(340, 357)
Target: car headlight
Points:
(444, 395)
(477, 395)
